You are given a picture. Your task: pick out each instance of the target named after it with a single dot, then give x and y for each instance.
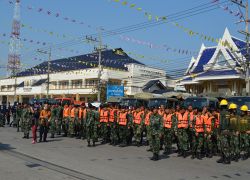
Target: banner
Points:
(115, 91)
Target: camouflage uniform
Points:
(91, 126)
(137, 129)
(26, 120)
(18, 117)
(114, 130)
(156, 127)
(1, 119)
(169, 136)
(244, 127)
(53, 120)
(224, 137)
(234, 137)
(59, 120)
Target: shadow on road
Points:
(4, 147)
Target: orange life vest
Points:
(72, 113)
(208, 124)
(182, 120)
(104, 116)
(137, 117)
(123, 119)
(161, 113)
(82, 113)
(66, 112)
(199, 124)
(112, 115)
(147, 119)
(167, 120)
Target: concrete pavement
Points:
(102, 162)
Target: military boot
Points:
(52, 136)
(221, 160)
(88, 143)
(227, 160)
(94, 144)
(193, 156)
(184, 154)
(199, 156)
(155, 157)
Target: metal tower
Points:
(15, 43)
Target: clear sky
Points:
(111, 15)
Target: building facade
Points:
(219, 70)
(77, 77)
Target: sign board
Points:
(115, 91)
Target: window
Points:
(221, 61)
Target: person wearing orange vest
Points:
(148, 113)
(122, 120)
(168, 131)
(182, 132)
(82, 119)
(104, 124)
(65, 120)
(198, 127)
(73, 120)
(138, 121)
(161, 110)
(44, 119)
(113, 125)
(209, 124)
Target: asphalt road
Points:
(66, 158)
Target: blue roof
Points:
(110, 58)
(207, 54)
(219, 73)
(188, 79)
(241, 45)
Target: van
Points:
(167, 102)
(200, 102)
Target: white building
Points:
(218, 70)
(77, 77)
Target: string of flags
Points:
(59, 15)
(155, 46)
(152, 17)
(227, 9)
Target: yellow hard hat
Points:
(223, 102)
(232, 106)
(244, 108)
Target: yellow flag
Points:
(132, 5)
(124, 3)
(139, 9)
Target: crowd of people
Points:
(199, 132)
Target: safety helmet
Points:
(232, 106)
(244, 108)
(223, 102)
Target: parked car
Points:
(133, 102)
(200, 102)
(167, 102)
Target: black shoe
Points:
(52, 136)
(244, 157)
(193, 156)
(153, 158)
(221, 160)
(64, 135)
(93, 144)
(88, 143)
(24, 137)
(185, 154)
(199, 156)
(227, 161)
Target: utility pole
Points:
(98, 49)
(48, 69)
(246, 33)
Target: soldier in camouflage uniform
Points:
(59, 119)
(148, 113)
(1, 117)
(26, 120)
(138, 123)
(224, 137)
(244, 129)
(123, 122)
(234, 133)
(18, 116)
(52, 121)
(113, 113)
(168, 131)
(156, 127)
(73, 120)
(91, 124)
